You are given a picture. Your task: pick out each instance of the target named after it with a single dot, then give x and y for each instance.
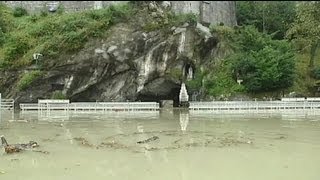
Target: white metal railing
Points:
(29, 106)
(7, 104)
(293, 103)
(253, 105)
(293, 99)
(301, 99)
(49, 101)
(313, 99)
(114, 105)
(78, 106)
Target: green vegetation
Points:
(54, 34)
(175, 73)
(60, 9)
(221, 83)
(27, 79)
(316, 73)
(306, 27)
(296, 21)
(261, 63)
(305, 35)
(19, 12)
(169, 20)
(267, 16)
(180, 19)
(6, 19)
(196, 82)
(274, 48)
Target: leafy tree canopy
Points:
(268, 16)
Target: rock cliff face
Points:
(129, 65)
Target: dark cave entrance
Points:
(57, 87)
(173, 95)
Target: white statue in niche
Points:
(190, 73)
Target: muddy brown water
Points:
(190, 146)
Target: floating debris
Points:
(13, 148)
(112, 145)
(168, 140)
(172, 140)
(281, 137)
(153, 138)
(151, 149)
(44, 152)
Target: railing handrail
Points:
(7, 104)
(254, 104)
(40, 101)
(90, 105)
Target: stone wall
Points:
(218, 11)
(209, 12)
(186, 6)
(70, 6)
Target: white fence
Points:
(7, 104)
(293, 99)
(285, 103)
(253, 105)
(89, 106)
(114, 106)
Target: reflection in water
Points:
(6, 115)
(191, 146)
(87, 115)
(68, 135)
(118, 127)
(184, 120)
(146, 146)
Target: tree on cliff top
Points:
(5, 21)
(306, 27)
(268, 16)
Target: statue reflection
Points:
(45, 115)
(184, 120)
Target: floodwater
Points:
(190, 146)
